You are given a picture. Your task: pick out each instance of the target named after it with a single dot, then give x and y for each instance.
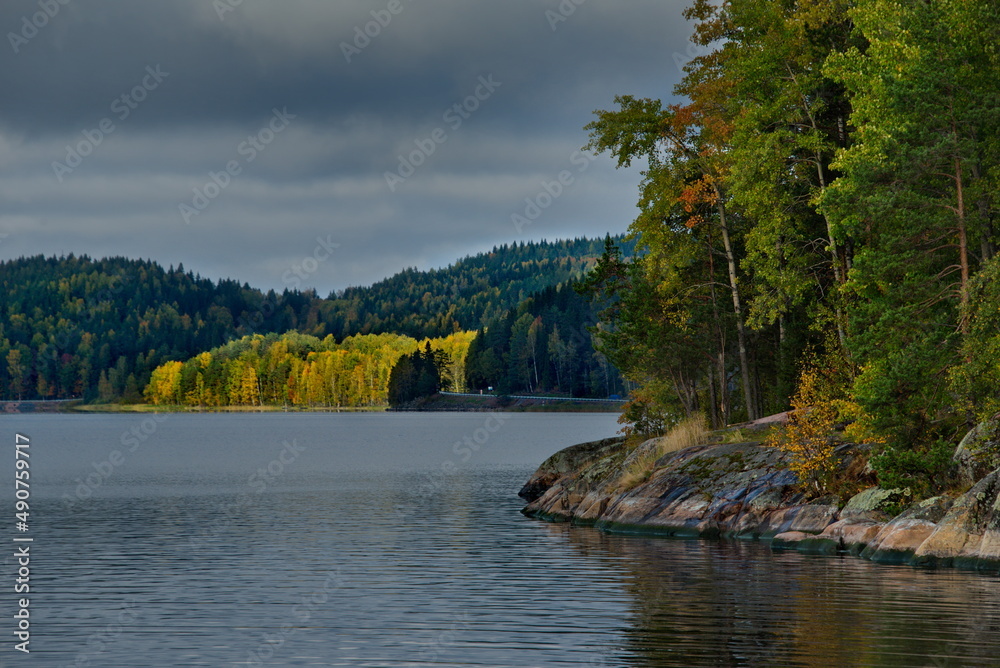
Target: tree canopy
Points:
(296, 369)
(816, 213)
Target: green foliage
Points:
(420, 374)
(543, 345)
(467, 295)
(72, 319)
(661, 325)
(727, 211)
(920, 472)
(915, 197)
(976, 377)
(834, 166)
(643, 415)
(789, 118)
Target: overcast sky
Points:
(240, 138)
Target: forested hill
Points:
(464, 296)
(74, 326)
(71, 322)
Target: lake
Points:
(394, 539)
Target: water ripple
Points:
(347, 564)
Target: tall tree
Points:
(789, 118)
(916, 194)
(683, 203)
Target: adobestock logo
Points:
(310, 264)
(550, 191)
(454, 116)
(37, 21)
(363, 35)
(562, 12)
(122, 107)
(248, 149)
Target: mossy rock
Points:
(979, 452)
(644, 449)
(873, 503)
(569, 461)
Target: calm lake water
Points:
(395, 540)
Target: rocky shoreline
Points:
(745, 491)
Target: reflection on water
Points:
(705, 603)
(362, 552)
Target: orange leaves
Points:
(705, 117)
(694, 196)
(683, 117)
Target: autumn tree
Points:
(684, 202)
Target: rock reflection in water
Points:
(731, 603)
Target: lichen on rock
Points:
(979, 452)
(872, 503)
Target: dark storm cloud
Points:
(163, 96)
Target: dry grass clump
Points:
(685, 434)
(748, 434)
(638, 470)
(732, 436)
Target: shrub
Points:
(919, 472)
(643, 415)
(808, 435)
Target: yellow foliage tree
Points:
(165, 384)
(296, 369)
(808, 436)
(249, 386)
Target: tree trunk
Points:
(839, 272)
(986, 248)
(712, 404)
(723, 401)
(963, 246)
(741, 334)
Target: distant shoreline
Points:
(148, 408)
(491, 402)
(436, 403)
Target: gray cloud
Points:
(323, 174)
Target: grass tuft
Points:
(687, 433)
